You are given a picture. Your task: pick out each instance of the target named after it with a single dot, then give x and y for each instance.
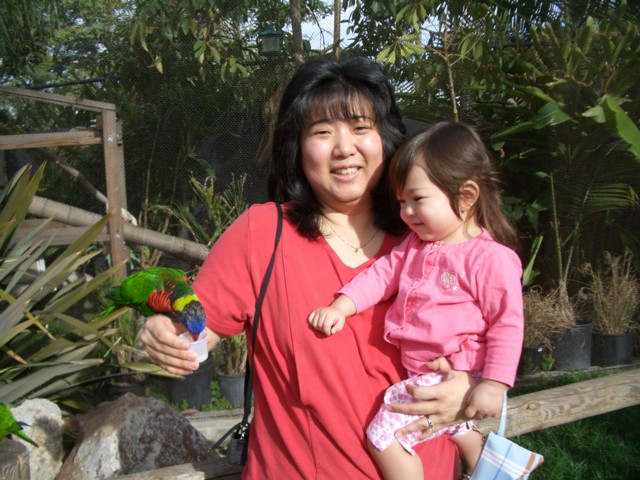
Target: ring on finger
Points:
(432, 427)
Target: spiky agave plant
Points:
(46, 349)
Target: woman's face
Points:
(342, 160)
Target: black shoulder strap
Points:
(248, 379)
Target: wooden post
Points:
(116, 187)
(113, 156)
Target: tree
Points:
(25, 29)
(575, 115)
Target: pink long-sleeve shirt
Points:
(462, 301)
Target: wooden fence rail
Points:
(109, 135)
(179, 247)
(525, 413)
(566, 404)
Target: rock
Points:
(14, 460)
(132, 434)
(45, 428)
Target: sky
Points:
(320, 33)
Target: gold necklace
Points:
(355, 249)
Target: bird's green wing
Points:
(134, 291)
(174, 280)
(6, 421)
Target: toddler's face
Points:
(426, 209)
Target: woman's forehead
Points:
(339, 105)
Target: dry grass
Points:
(613, 294)
(544, 317)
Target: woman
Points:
(337, 127)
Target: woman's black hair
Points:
(334, 90)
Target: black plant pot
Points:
(610, 350)
(125, 384)
(232, 388)
(531, 360)
(572, 350)
(194, 389)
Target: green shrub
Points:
(47, 351)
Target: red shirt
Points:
(314, 395)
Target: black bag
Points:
(240, 433)
(239, 445)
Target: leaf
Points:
(386, 55)
(624, 126)
(550, 115)
(16, 205)
(528, 274)
(69, 363)
(630, 35)
(596, 113)
(518, 128)
(537, 94)
(65, 300)
(585, 35)
(611, 196)
(157, 63)
(215, 53)
(148, 368)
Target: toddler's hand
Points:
(485, 400)
(329, 320)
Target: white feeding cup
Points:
(199, 346)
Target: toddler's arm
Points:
(485, 400)
(331, 319)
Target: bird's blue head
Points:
(191, 315)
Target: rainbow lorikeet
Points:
(9, 425)
(161, 290)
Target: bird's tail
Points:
(24, 436)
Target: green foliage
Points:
(550, 78)
(214, 211)
(210, 32)
(25, 28)
(218, 402)
(230, 355)
(46, 350)
(547, 362)
(574, 136)
(598, 448)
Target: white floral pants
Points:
(381, 430)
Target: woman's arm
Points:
(161, 341)
(444, 403)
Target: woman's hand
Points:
(166, 349)
(444, 404)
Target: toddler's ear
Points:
(469, 193)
